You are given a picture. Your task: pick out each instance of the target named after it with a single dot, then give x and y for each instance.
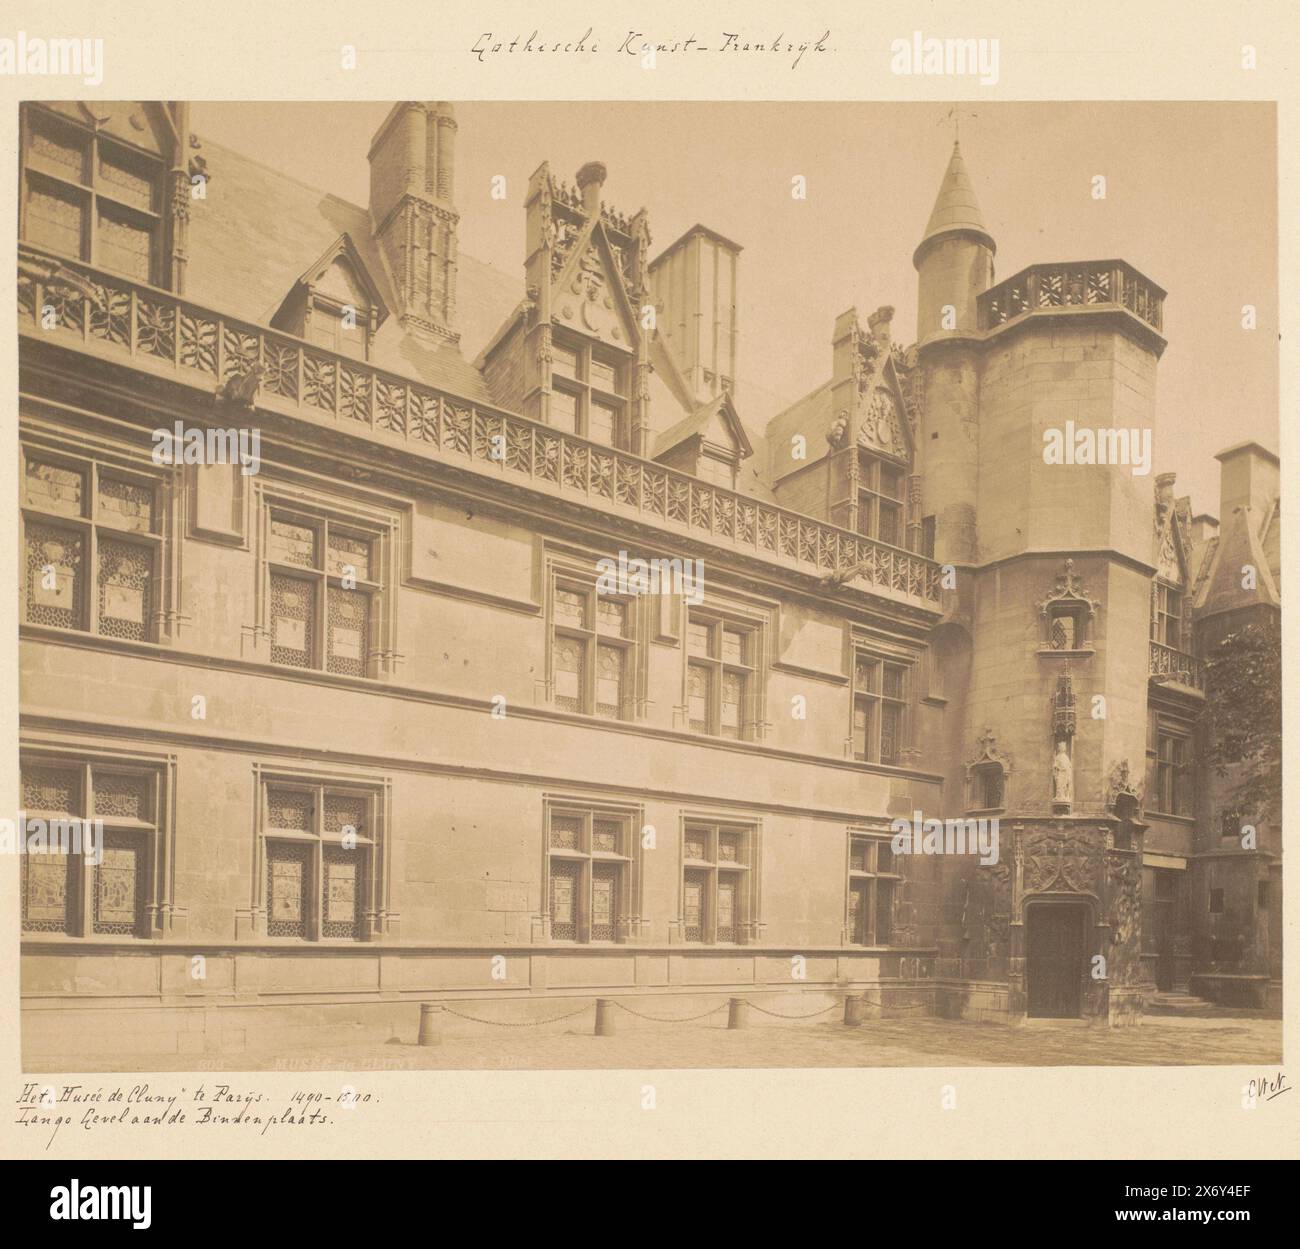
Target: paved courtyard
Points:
(915, 1042)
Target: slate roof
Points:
(955, 207)
(259, 229)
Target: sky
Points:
(1191, 201)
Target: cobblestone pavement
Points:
(916, 1042)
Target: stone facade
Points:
(365, 728)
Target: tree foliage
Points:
(1244, 702)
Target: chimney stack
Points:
(879, 325)
(591, 179)
(1248, 477)
(693, 288)
(412, 182)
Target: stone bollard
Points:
(430, 1024)
(855, 1010)
(737, 1013)
(604, 1016)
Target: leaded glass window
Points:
(590, 392)
(881, 487)
(1067, 626)
(320, 843)
(589, 861)
(100, 828)
(873, 880)
(89, 196)
(717, 888)
(590, 651)
(92, 546)
(324, 593)
(720, 665)
(879, 709)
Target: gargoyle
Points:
(52, 273)
(239, 390)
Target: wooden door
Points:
(1055, 933)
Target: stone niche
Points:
(1063, 861)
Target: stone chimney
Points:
(412, 184)
(1248, 477)
(591, 180)
(879, 325)
(693, 288)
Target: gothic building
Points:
(365, 727)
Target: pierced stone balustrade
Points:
(1168, 664)
(167, 335)
(1095, 284)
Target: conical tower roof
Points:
(956, 209)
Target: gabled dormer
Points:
(846, 451)
(574, 353)
(109, 183)
(709, 443)
(336, 303)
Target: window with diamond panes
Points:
(101, 888)
(873, 878)
(591, 651)
(93, 547)
(1065, 628)
(879, 709)
(319, 854)
(588, 861)
(88, 196)
(716, 883)
(719, 676)
(324, 592)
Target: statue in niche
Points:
(1062, 775)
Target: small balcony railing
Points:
(1168, 664)
(1096, 284)
(164, 333)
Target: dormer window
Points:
(335, 304)
(709, 443)
(589, 392)
(1167, 616)
(87, 196)
(881, 487)
(718, 468)
(344, 328)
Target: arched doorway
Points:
(1056, 958)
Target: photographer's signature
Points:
(1265, 1089)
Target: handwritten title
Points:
(637, 45)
